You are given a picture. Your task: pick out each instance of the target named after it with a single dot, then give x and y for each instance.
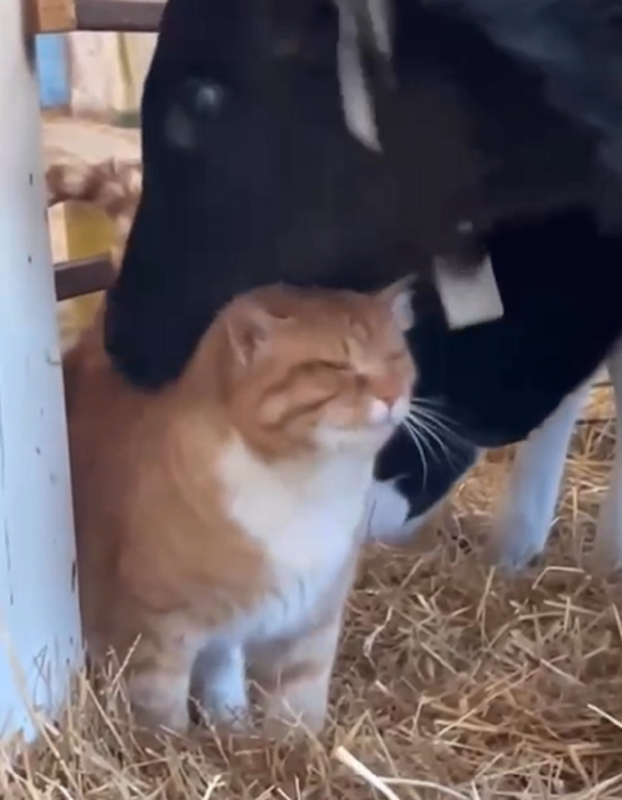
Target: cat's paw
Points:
(516, 540)
(218, 686)
(159, 702)
(225, 707)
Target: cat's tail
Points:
(113, 185)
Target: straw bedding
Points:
(453, 681)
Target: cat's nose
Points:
(388, 391)
(390, 409)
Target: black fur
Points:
(561, 285)
(267, 184)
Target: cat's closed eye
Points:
(335, 366)
(397, 355)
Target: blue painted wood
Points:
(52, 70)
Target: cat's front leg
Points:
(158, 680)
(295, 686)
(219, 683)
(159, 697)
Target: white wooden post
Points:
(39, 622)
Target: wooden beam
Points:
(50, 16)
(126, 16)
(83, 276)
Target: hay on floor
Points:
(453, 681)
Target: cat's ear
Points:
(250, 329)
(399, 297)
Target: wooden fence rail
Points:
(82, 276)
(124, 16)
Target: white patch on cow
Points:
(386, 518)
(524, 520)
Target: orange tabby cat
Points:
(219, 521)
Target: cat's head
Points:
(318, 370)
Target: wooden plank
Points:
(51, 16)
(136, 53)
(79, 295)
(119, 15)
(83, 276)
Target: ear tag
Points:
(469, 298)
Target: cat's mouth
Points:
(368, 436)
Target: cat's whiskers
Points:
(442, 421)
(433, 406)
(423, 422)
(435, 424)
(413, 431)
(427, 427)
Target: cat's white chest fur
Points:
(307, 516)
